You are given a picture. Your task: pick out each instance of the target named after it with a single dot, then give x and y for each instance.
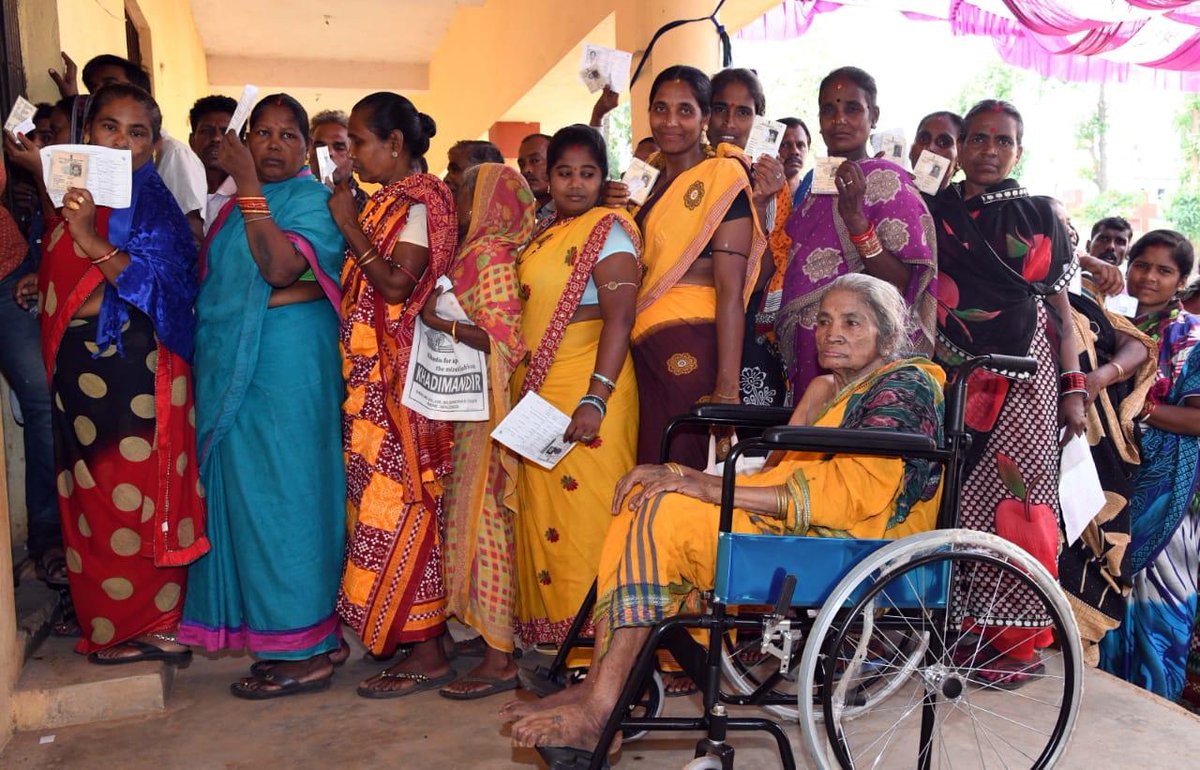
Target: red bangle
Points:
(863, 237)
(1073, 381)
(409, 273)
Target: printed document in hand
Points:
(892, 144)
(106, 173)
(446, 380)
(20, 120)
(1079, 489)
(639, 178)
(244, 105)
(534, 429)
(601, 66)
(1121, 304)
(765, 138)
(824, 175)
(325, 167)
(929, 172)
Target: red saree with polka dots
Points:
(128, 492)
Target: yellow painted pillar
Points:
(694, 44)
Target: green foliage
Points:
(619, 132)
(1187, 122)
(1183, 212)
(1109, 203)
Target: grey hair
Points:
(887, 305)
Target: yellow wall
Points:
(179, 68)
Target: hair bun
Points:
(427, 125)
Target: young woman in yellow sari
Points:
(664, 536)
(496, 214)
(703, 246)
(392, 590)
(579, 279)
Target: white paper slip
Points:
(639, 178)
(1079, 489)
(1122, 304)
(765, 138)
(929, 172)
(244, 105)
(22, 111)
(446, 380)
(106, 173)
(825, 174)
(600, 66)
(325, 166)
(534, 429)
(892, 143)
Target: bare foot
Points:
(678, 684)
(568, 696)
(576, 726)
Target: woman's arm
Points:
(1071, 410)
(278, 261)
(80, 212)
(394, 278)
(886, 266)
(1127, 358)
(25, 156)
(730, 249)
(462, 331)
(618, 306)
(672, 477)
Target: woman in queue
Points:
(1150, 647)
(116, 288)
(393, 590)
(703, 247)
(1004, 262)
(496, 217)
(268, 376)
(875, 223)
(579, 283)
(664, 535)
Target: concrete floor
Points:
(204, 727)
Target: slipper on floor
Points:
(260, 667)
(494, 686)
(287, 686)
(146, 652)
(423, 683)
(1006, 673)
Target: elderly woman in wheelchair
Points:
(663, 542)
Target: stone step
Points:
(37, 611)
(59, 687)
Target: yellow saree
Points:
(479, 529)
(654, 557)
(674, 336)
(564, 513)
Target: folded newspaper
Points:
(446, 380)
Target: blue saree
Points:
(268, 411)
(1150, 648)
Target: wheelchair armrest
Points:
(846, 441)
(742, 414)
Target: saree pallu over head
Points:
(160, 282)
(479, 536)
(680, 221)
(822, 251)
(392, 587)
(560, 283)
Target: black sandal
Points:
(51, 567)
(287, 686)
(146, 652)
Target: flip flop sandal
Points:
(1007, 674)
(260, 667)
(682, 692)
(423, 683)
(287, 686)
(494, 687)
(146, 652)
(51, 568)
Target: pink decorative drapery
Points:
(1151, 43)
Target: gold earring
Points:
(395, 154)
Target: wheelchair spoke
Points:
(1001, 737)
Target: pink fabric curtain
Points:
(1045, 35)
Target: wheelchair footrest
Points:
(567, 758)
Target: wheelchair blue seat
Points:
(751, 569)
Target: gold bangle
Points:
(674, 468)
(454, 332)
(367, 257)
(1120, 370)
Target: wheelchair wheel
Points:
(746, 670)
(650, 705)
(965, 703)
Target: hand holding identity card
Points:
(601, 66)
(20, 120)
(639, 178)
(929, 172)
(534, 429)
(825, 176)
(242, 112)
(106, 173)
(765, 138)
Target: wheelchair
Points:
(864, 643)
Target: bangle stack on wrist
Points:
(867, 243)
(254, 208)
(606, 382)
(1071, 383)
(596, 402)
